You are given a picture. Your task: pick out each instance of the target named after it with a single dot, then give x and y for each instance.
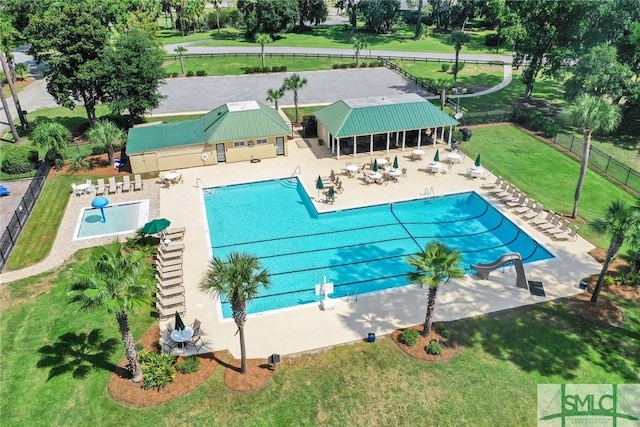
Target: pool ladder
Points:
(198, 182)
(296, 171)
(429, 193)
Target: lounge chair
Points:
(499, 189)
(562, 227)
(137, 183)
(571, 235)
(521, 200)
(526, 206)
(547, 218)
(126, 183)
(175, 233)
(113, 187)
(551, 224)
(534, 212)
(101, 187)
(508, 193)
(91, 188)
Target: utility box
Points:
(310, 126)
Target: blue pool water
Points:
(359, 250)
(120, 218)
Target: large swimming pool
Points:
(359, 250)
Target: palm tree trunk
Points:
(357, 57)
(455, 69)
(295, 101)
(181, 64)
(614, 247)
(636, 264)
(262, 56)
(431, 302)
(419, 21)
(110, 153)
(443, 98)
(243, 351)
(129, 346)
(586, 148)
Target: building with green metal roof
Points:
(382, 123)
(233, 132)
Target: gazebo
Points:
(353, 126)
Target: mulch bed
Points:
(123, 390)
(449, 350)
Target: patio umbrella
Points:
(395, 162)
(156, 225)
(436, 158)
(375, 165)
(478, 161)
(100, 203)
(179, 325)
(319, 185)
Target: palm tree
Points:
(21, 71)
(118, 282)
(442, 84)
(53, 136)
(294, 83)
(237, 280)
(418, 31)
(358, 45)
(620, 221)
(592, 114)
(435, 265)
(457, 38)
(106, 134)
(181, 50)
(273, 95)
(263, 39)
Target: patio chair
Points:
(367, 179)
(499, 188)
(507, 193)
(519, 201)
(562, 227)
(197, 335)
(550, 224)
(534, 212)
(113, 187)
(526, 207)
(404, 172)
(137, 183)
(101, 187)
(177, 179)
(76, 190)
(91, 188)
(571, 235)
(547, 218)
(126, 183)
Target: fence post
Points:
(606, 168)
(627, 178)
(573, 138)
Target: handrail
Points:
(201, 182)
(297, 169)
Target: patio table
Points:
(418, 154)
(454, 157)
(182, 336)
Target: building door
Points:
(280, 146)
(220, 153)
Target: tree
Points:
(137, 60)
(420, 7)
(620, 221)
(457, 38)
(273, 95)
(181, 50)
(216, 7)
(106, 134)
(379, 15)
(52, 136)
(119, 282)
(592, 114)
(269, 16)
(435, 265)
(78, 32)
(358, 45)
(294, 84)
(442, 84)
(237, 280)
(263, 39)
(313, 11)
(21, 71)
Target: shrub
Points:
(175, 74)
(445, 67)
(537, 121)
(58, 163)
(336, 66)
(201, 73)
(189, 365)
(550, 129)
(374, 64)
(409, 337)
(19, 159)
(157, 369)
(434, 347)
(190, 73)
(167, 75)
(460, 66)
(345, 65)
(78, 163)
(629, 279)
(353, 65)
(97, 150)
(282, 69)
(609, 281)
(265, 70)
(492, 40)
(444, 332)
(363, 65)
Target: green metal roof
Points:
(229, 122)
(365, 116)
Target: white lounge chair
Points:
(137, 182)
(547, 218)
(101, 187)
(113, 187)
(126, 183)
(571, 235)
(534, 212)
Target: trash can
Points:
(466, 134)
(371, 337)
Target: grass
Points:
(336, 36)
(504, 355)
(544, 173)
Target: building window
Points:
(261, 141)
(238, 144)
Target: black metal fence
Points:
(21, 214)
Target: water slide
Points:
(483, 270)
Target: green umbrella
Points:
(179, 324)
(478, 161)
(375, 165)
(156, 226)
(395, 162)
(331, 193)
(436, 158)
(319, 185)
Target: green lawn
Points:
(493, 378)
(543, 173)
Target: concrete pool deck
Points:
(306, 328)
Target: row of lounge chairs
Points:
(111, 187)
(170, 289)
(550, 223)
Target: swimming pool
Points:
(360, 250)
(120, 218)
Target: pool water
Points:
(359, 250)
(120, 218)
